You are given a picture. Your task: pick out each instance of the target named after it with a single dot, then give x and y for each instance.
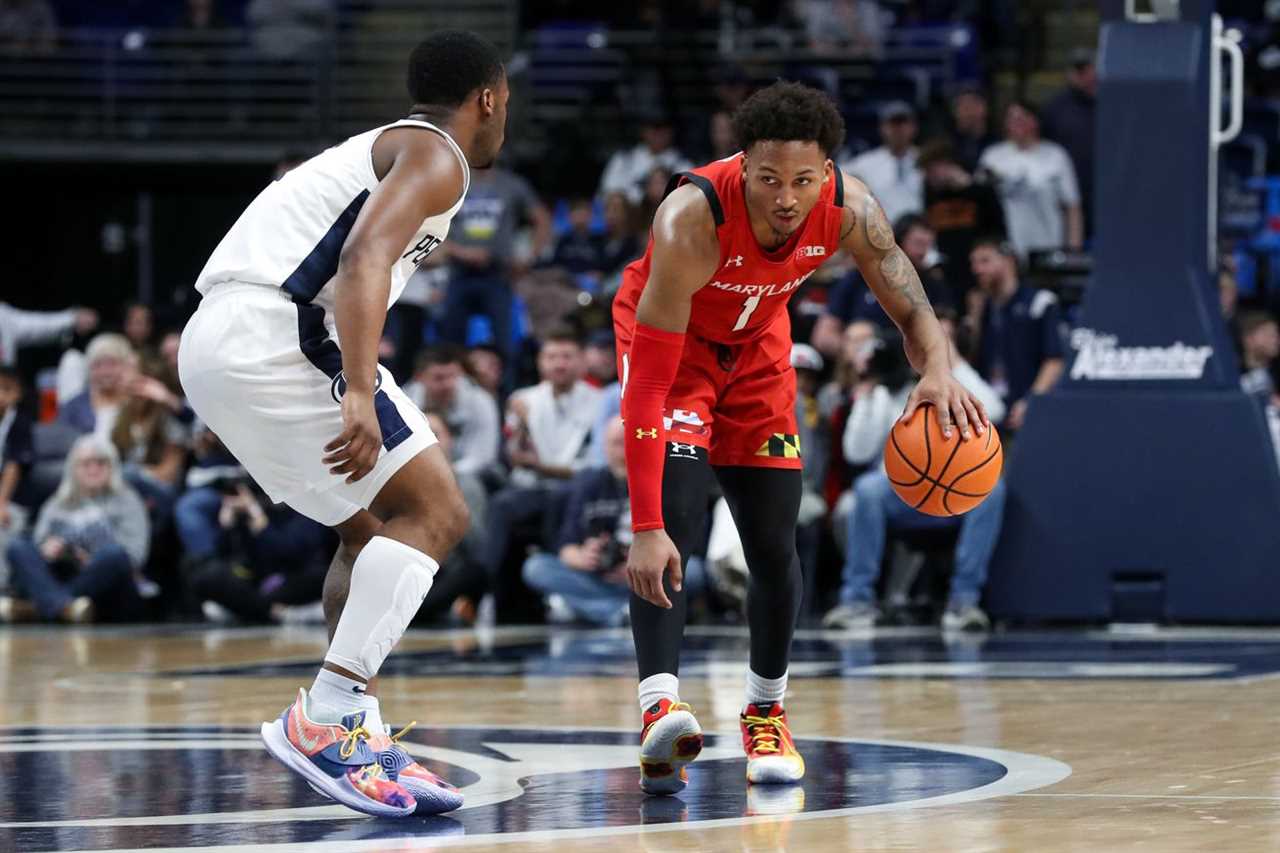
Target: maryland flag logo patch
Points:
(781, 446)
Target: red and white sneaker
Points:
(772, 757)
(434, 795)
(671, 738)
(336, 760)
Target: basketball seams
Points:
(948, 491)
(948, 488)
(928, 454)
(936, 485)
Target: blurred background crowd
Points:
(972, 122)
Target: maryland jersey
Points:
(292, 234)
(735, 392)
(748, 295)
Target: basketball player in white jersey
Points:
(281, 361)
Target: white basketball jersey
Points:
(291, 235)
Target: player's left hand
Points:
(355, 451)
(953, 402)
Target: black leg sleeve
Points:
(764, 503)
(658, 633)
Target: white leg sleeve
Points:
(388, 582)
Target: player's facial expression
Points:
(784, 181)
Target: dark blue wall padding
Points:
(1146, 486)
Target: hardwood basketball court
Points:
(1162, 741)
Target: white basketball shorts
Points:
(266, 376)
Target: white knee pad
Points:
(388, 582)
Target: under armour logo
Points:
(647, 433)
(735, 262)
(682, 450)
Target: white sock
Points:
(765, 691)
(664, 685)
(388, 582)
(333, 696)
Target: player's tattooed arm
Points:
(894, 280)
(868, 237)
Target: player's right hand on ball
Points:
(653, 554)
(355, 451)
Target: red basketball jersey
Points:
(748, 295)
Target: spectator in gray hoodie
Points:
(90, 541)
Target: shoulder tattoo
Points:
(879, 232)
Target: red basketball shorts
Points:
(738, 402)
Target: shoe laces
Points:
(351, 739)
(395, 738)
(765, 733)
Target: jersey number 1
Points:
(747, 307)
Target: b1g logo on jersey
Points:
(811, 252)
(424, 247)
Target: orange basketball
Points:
(939, 476)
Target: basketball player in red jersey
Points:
(704, 344)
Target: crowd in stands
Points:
(117, 504)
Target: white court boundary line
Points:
(1024, 772)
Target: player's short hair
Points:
(449, 65)
(788, 112)
(439, 354)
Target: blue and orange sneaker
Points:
(671, 738)
(336, 760)
(434, 795)
(772, 757)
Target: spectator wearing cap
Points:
(971, 125)
(960, 207)
(1017, 331)
(1037, 185)
(850, 299)
(890, 171)
(628, 170)
(441, 386)
(1069, 121)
